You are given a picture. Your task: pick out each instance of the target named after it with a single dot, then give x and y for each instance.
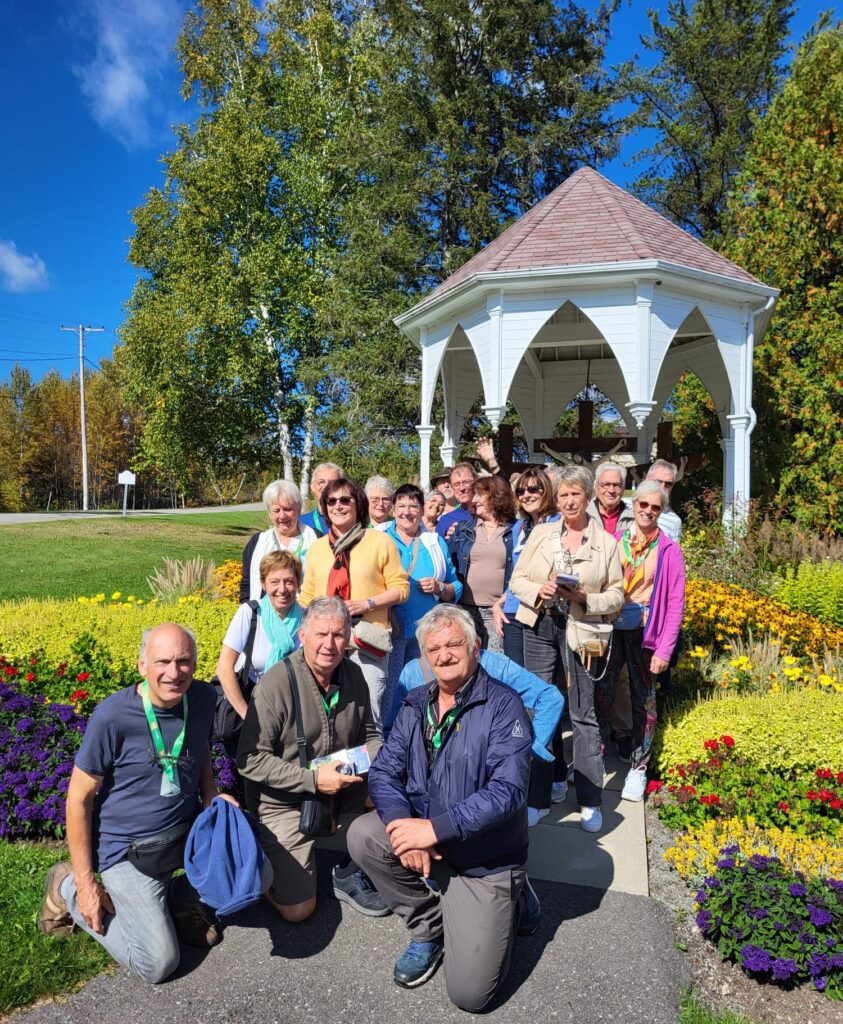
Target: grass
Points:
(86, 556)
(692, 1011)
(35, 966)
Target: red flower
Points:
(824, 773)
(33, 661)
(654, 785)
(688, 789)
(83, 676)
(711, 745)
(727, 741)
(10, 670)
(826, 795)
(783, 806)
(711, 799)
(30, 676)
(79, 695)
(840, 778)
(713, 762)
(59, 672)
(835, 804)
(812, 795)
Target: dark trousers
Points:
(476, 917)
(545, 654)
(513, 640)
(627, 649)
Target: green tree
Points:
(718, 64)
(16, 427)
(784, 225)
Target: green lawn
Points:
(35, 966)
(86, 556)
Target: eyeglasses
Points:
(667, 484)
(646, 506)
(344, 500)
(530, 489)
(403, 509)
(607, 485)
(380, 501)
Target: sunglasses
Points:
(646, 506)
(531, 489)
(343, 500)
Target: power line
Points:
(82, 331)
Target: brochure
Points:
(357, 758)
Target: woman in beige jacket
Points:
(568, 626)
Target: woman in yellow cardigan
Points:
(362, 567)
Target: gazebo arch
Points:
(651, 301)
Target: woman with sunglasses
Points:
(646, 631)
(536, 504)
(361, 566)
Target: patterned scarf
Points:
(281, 633)
(633, 556)
(339, 580)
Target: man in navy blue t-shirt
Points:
(144, 768)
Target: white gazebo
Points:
(591, 284)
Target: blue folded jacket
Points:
(223, 858)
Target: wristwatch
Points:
(371, 603)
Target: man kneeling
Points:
(447, 846)
(141, 775)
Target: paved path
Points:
(15, 518)
(604, 953)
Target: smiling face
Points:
(451, 660)
(342, 509)
(380, 506)
(482, 509)
(609, 490)
(324, 640)
(647, 511)
(434, 506)
(462, 484)
(284, 516)
(322, 476)
(529, 494)
(167, 664)
(571, 500)
(282, 586)
(408, 513)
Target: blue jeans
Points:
(140, 933)
(404, 650)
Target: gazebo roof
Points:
(588, 220)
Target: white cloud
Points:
(134, 46)
(19, 272)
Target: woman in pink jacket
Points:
(646, 631)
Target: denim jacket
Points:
(461, 543)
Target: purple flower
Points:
(795, 889)
(757, 860)
(819, 916)
(784, 969)
(726, 862)
(759, 914)
(704, 920)
(754, 958)
(820, 984)
(730, 849)
(817, 964)
(701, 896)
(779, 926)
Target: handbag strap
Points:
(415, 555)
(250, 640)
(300, 740)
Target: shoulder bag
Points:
(317, 817)
(227, 723)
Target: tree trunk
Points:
(307, 449)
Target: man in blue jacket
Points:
(448, 844)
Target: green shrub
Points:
(52, 627)
(787, 732)
(816, 588)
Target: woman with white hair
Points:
(381, 495)
(286, 533)
(646, 631)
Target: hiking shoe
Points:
(591, 819)
(535, 815)
(558, 792)
(55, 918)
(418, 963)
(636, 783)
(531, 911)
(358, 891)
(196, 923)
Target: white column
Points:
(739, 434)
(425, 433)
(640, 403)
(495, 405)
(728, 446)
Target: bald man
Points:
(143, 771)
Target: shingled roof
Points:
(588, 220)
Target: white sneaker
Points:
(636, 783)
(558, 792)
(535, 815)
(591, 819)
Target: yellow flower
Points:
(82, 600)
(790, 660)
(130, 598)
(116, 595)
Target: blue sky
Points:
(89, 89)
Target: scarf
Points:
(281, 633)
(633, 555)
(339, 580)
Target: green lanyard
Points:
(438, 730)
(635, 562)
(170, 785)
(330, 704)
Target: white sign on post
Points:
(126, 479)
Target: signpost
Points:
(126, 479)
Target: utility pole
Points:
(82, 331)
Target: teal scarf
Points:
(281, 633)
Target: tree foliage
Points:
(718, 64)
(784, 226)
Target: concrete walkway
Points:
(604, 951)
